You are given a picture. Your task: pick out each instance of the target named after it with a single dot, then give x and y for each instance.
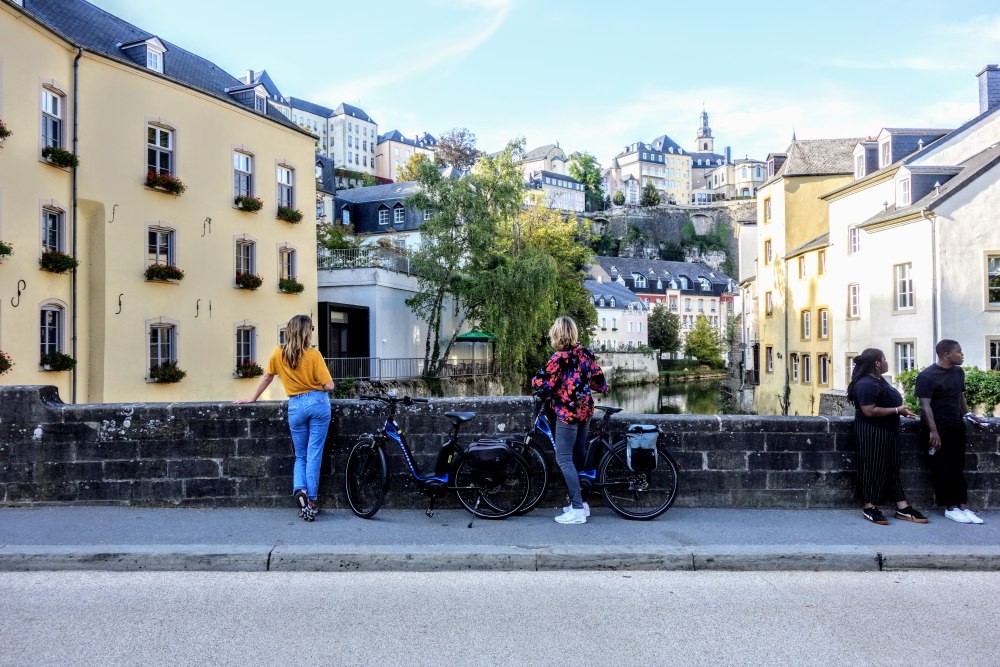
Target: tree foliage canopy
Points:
(511, 269)
(703, 343)
(583, 167)
(649, 196)
(457, 148)
(410, 171)
(664, 329)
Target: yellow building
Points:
(394, 150)
(145, 119)
(661, 162)
(793, 314)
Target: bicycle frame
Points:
(595, 444)
(425, 483)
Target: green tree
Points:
(664, 329)
(583, 167)
(673, 252)
(649, 196)
(605, 245)
(619, 199)
(457, 148)
(703, 343)
(410, 171)
(336, 237)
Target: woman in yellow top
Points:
(306, 380)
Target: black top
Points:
(945, 387)
(871, 391)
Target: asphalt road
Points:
(500, 618)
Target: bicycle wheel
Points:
(538, 469)
(634, 495)
(494, 496)
(366, 478)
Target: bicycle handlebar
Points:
(392, 400)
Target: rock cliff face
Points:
(648, 232)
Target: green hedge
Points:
(982, 388)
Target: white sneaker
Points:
(958, 515)
(971, 516)
(586, 508)
(572, 516)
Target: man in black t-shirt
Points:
(941, 390)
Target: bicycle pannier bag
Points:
(640, 450)
(488, 456)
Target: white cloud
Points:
(436, 51)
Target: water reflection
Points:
(700, 397)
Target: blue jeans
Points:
(308, 421)
(571, 443)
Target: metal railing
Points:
(401, 368)
(364, 258)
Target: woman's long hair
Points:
(298, 336)
(864, 364)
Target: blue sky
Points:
(596, 76)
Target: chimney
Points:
(989, 88)
(729, 155)
(248, 79)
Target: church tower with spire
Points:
(705, 143)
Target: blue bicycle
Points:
(633, 491)
(489, 478)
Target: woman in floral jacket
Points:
(566, 382)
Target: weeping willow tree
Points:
(510, 268)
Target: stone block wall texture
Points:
(224, 455)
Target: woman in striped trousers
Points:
(877, 409)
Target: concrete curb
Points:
(377, 558)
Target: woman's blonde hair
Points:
(298, 339)
(564, 333)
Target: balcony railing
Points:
(402, 368)
(365, 258)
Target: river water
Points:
(699, 397)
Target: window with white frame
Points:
(853, 240)
(821, 262)
(859, 166)
(802, 266)
(767, 251)
(246, 256)
(854, 300)
(154, 60)
(53, 229)
(993, 280)
(246, 339)
(242, 174)
(160, 246)
(51, 323)
(162, 344)
(905, 356)
(903, 286)
(824, 369)
(794, 362)
(398, 215)
(286, 263)
(824, 323)
(904, 192)
(886, 155)
(286, 186)
(383, 216)
(768, 304)
(806, 329)
(159, 149)
(701, 305)
(993, 345)
(52, 118)
(806, 368)
(640, 280)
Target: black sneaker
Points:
(303, 502)
(910, 514)
(873, 515)
(310, 512)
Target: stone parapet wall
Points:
(224, 455)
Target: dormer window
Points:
(886, 154)
(154, 60)
(904, 192)
(612, 302)
(260, 103)
(859, 166)
(148, 53)
(602, 302)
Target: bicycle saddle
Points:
(608, 409)
(461, 417)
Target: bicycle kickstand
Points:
(475, 508)
(430, 508)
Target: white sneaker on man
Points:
(971, 516)
(957, 514)
(586, 508)
(572, 516)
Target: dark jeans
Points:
(948, 467)
(571, 446)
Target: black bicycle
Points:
(491, 491)
(642, 493)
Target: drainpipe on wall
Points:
(76, 141)
(787, 394)
(932, 219)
